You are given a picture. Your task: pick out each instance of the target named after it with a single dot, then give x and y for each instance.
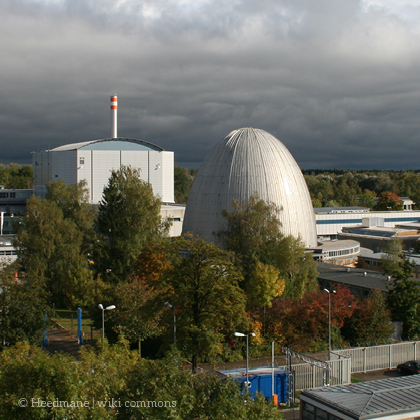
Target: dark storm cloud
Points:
(336, 81)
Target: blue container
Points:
(261, 379)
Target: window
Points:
(81, 161)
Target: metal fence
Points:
(309, 376)
(364, 359)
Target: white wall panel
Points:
(155, 173)
(137, 159)
(103, 163)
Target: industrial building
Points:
(94, 160)
(246, 162)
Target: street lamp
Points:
(169, 305)
(239, 334)
(329, 321)
(108, 308)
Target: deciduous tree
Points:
(203, 285)
(388, 200)
(51, 246)
(370, 322)
(303, 324)
(253, 233)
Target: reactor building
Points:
(94, 160)
(250, 161)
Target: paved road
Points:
(61, 341)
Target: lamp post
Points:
(169, 305)
(239, 334)
(108, 308)
(329, 321)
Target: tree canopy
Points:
(128, 218)
(52, 243)
(253, 234)
(203, 285)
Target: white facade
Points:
(174, 213)
(8, 253)
(93, 161)
(330, 224)
(246, 162)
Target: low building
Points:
(373, 262)
(337, 252)
(12, 204)
(359, 281)
(8, 253)
(391, 399)
(376, 236)
(331, 221)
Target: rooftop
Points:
(371, 399)
(352, 277)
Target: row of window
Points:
(310, 412)
(8, 252)
(341, 252)
(7, 195)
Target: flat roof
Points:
(352, 277)
(372, 399)
(354, 209)
(337, 244)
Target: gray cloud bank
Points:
(337, 81)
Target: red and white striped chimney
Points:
(114, 109)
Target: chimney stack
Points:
(114, 109)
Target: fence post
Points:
(390, 356)
(364, 359)
(313, 377)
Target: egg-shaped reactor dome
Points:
(250, 161)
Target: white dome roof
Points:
(245, 162)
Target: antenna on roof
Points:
(114, 109)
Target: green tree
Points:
(128, 218)
(203, 286)
(404, 292)
(138, 317)
(265, 284)
(253, 233)
(370, 322)
(16, 176)
(22, 309)
(110, 382)
(182, 184)
(50, 249)
(73, 200)
(185, 396)
(395, 262)
(366, 200)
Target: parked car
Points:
(411, 367)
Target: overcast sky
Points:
(337, 81)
